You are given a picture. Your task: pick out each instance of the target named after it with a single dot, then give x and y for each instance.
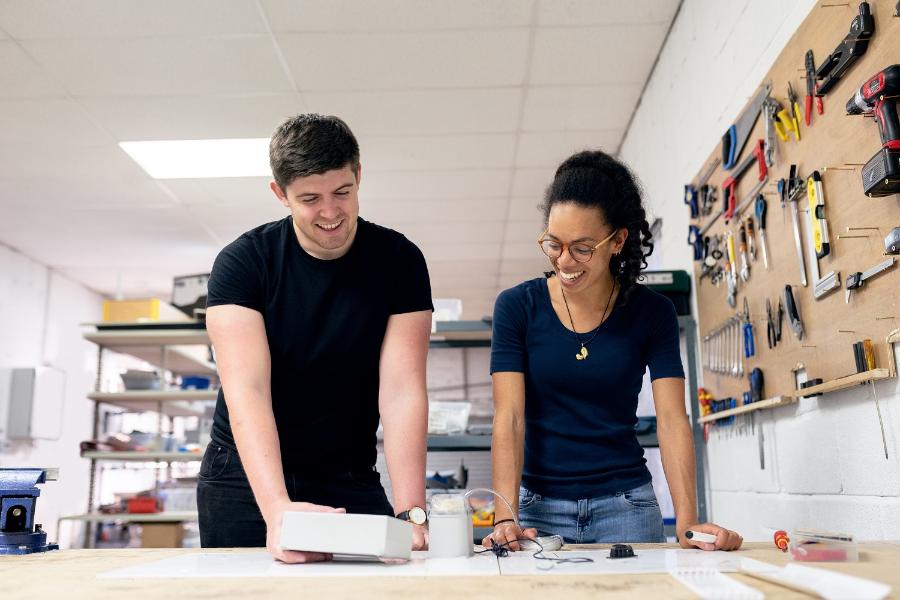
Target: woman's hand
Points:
(725, 538)
(508, 533)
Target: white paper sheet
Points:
(261, 564)
(645, 561)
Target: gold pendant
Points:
(582, 354)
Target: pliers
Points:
(749, 348)
(811, 89)
(770, 325)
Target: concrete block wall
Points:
(824, 463)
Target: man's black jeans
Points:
(230, 517)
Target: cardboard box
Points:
(141, 311)
(161, 535)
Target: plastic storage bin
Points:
(821, 546)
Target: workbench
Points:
(72, 574)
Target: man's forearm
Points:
(507, 453)
(256, 436)
(677, 451)
(405, 423)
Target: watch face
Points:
(417, 516)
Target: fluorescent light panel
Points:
(195, 159)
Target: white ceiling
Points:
(463, 108)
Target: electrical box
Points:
(31, 403)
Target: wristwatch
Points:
(415, 515)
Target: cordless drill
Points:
(878, 96)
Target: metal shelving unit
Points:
(175, 403)
(176, 348)
(137, 456)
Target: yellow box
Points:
(137, 311)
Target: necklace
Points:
(583, 353)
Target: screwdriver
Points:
(751, 238)
(761, 207)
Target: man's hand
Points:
(273, 532)
(420, 537)
(725, 538)
(508, 533)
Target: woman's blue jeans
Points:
(625, 517)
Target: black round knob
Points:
(621, 551)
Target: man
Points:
(320, 323)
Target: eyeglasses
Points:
(579, 251)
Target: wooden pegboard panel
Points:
(832, 142)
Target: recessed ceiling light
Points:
(189, 159)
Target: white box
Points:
(340, 533)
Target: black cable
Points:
(501, 550)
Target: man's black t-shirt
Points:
(325, 321)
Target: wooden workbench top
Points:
(72, 574)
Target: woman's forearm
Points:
(507, 452)
(677, 451)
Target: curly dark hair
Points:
(594, 179)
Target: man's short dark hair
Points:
(311, 144)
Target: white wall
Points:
(39, 315)
(825, 467)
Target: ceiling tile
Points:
(380, 61)
(229, 221)
(225, 191)
(103, 190)
(527, 208)
(193, 118)
(477, 232)
(605, 12)
(391, 213)
(523, 231)
(396, 15)
(442, 251)
(101, 222)
(55, 19)
(465, 273)
(63, 121)
(437, 152)
(162, 67)
(580, 108)
(613, 55)
(414, 185)
(550, 149)
(520, 250)
(532, 182)
(412, 112)
(70, 162)
(20, 77)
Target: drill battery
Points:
(881, 175)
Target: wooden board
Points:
(833, 143)
(72, 574)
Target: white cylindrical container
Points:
(449, 527)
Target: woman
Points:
(568, 356)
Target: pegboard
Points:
(837, 145)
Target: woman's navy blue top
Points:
(580, 440)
